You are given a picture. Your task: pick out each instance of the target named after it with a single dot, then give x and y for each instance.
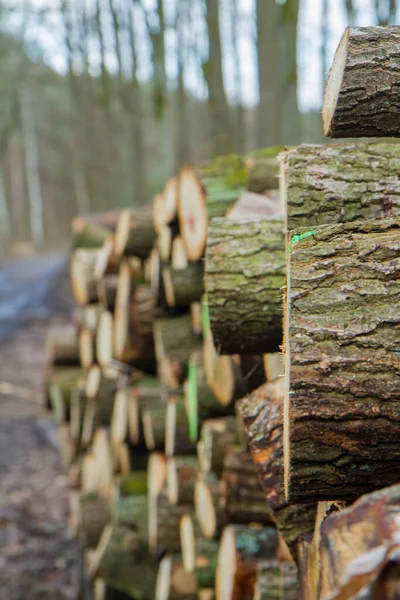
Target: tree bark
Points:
(262, 415)
(245, 268)
(339, 183)
(135, 235)
(342, 345)
(182, 472)
(165, 518)
(276, 580)
(242, 496)
(367, 54)
(173, 582)
(346, 542)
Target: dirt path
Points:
(38, 557)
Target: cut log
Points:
(207, 191)
(262, 415)
(245, 269)
(165, 205)
(179, 258)
(242, 496)
(342, 343)
(177, 431)
(182, 472)
(251, 206)
(135, 235)
(195, 312)
(359, 549)
(146, 393)
(242, 548)
(207, 502)
(119, 418)
(223, 374)
(87, 234)
(174, 341)
(276, 580)
(126, 567)
(183, 286)
(123, 299)
(61, 382)
(82, 268)
(199, 394)
(206, 563)
(217, 437)
(89, 515)
(273, 366)
(103, 463)
(87, 348)
(62, 345)
(324, 185)
(173, 582)
(367, 55)
(187, 534)
(262, 170)
(156, 474)
(164, 519)
(153, 421)
(132, 458)
(104, 339)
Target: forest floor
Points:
(39, 559)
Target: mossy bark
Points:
(242, 496)
(168, 517)
(127, 567)
(217, 437)
(340, 183)
(367, 103)
(343, 343)
(262, 170)
(141, 235)
(262, 415)
(206, 563)
(87, 234)
(276, 581)
(245, 269)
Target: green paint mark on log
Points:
(301, 236)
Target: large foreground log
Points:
(262, 415)
(339, 183)
(245, 269)
(359, 549)
(342, 360)
(361, 96)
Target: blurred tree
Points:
(269, 107)
(221, 126)
(385, 11)
(291, 133)
(181, 121)
(350, 12)
(240, 133)
(324, 43)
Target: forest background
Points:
(102, 100)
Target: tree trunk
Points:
(245, 267)
(262, 415)
(289, 14)
(341, 331)
(222, 137)
(32, 167)
(165, 518)
(182, 474)
(339, 183)
(269, 108)
(184, 286)
(207, 501)
(370, 54)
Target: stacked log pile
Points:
(203, 463)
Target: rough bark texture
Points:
(262, 415)
(340, 183)
(342, 341)
(367, 101)
(242, 496)
(366, 534)
(245, 267)
(168, 517)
